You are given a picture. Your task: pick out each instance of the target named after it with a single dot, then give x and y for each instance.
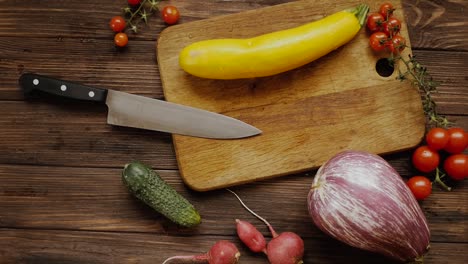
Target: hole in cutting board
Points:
(384, 68)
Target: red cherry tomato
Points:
(392, 26)
(121, 39)
(117, 23)
(170, 14)
(375, 22)
(397, 44)
(437, 138)
(378, 41)
(458, 140)
(420, 186)
(386, 10)
(456, 166)
(425, 159)
(134, 2)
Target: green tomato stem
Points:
(440, 182)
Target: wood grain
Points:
(452, 93)
(45, 246)
(95, 199)
(90, 247)
(61, 199)
(51, 131)
(340, 94)
(431, 20)
(96, 63)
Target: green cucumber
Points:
(145, 184)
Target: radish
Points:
(285, 248)
(222, 252)
(251, 237)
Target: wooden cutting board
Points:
(307, 115)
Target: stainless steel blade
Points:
(143, 112)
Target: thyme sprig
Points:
(418, 75)
(420, 78)
(140, 13)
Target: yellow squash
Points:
(274, 52)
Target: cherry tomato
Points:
(420, 186)
(134, 2)
(170, 14)
(456, 166)
(375, 22)
(121, 39)
(458, 140)
(378, 41)
(425, 159)
(437, 138)
(386, 10)
(117, 23)
(392, 26)
(397, 44)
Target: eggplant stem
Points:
(272, 231)
(418, 260)
(315, 186)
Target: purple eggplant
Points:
(361, 200)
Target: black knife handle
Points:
(35, 82)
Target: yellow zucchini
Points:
(274, 52)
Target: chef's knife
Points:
(143, 112)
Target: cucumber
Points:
(146, 185)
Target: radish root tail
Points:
(272, 231)
(194, 258)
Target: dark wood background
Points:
(61, 197)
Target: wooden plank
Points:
(67, 133)
(95, 199)
(47, 246)
(433, 24)
(55, 19)
(95, 63)
(436, 24)
(449, 70)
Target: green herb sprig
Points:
(423, 81)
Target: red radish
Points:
(222, 252)
(285, 248)
(251, 237)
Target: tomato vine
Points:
(441, 156)
(137, 12)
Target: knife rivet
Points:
(35, 81)
(91, 94)
(63, 87)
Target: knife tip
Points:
(253, 132)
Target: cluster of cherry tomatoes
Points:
(170, 15)
(385, 30)
(444, 148)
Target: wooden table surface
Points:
(61, 195)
